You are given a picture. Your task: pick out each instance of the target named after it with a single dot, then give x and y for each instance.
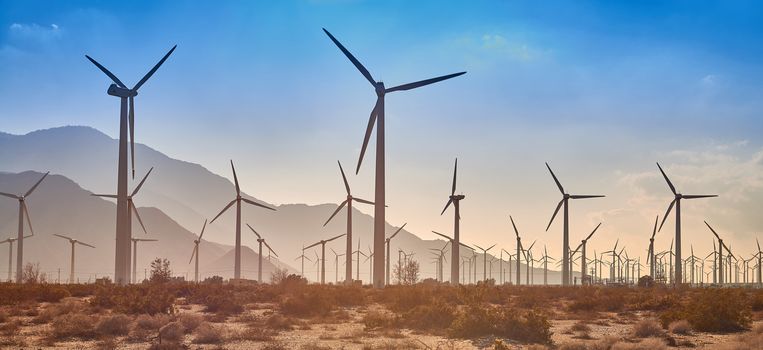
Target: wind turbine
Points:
(10, 254)
(336, 264)
(386, 241)
(566, 229)
(545, 264)
(583, 270)
(131, 209)
(528, 259)
(323, 254)
(378, 114)
(759, 255)
(237, 201)
(677, 202)
(484, 260)
(261, 241)
(23, 213)
(456, 200)
(519, 249)
(453, 243)
(195, 253)
(126, 120)
(348, 201)
(303, 257)
(358, 253)
(73, 242)
(135, 254)
(650, 253)
(721, 246)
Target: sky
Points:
(599, 90)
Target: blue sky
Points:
(601, 90)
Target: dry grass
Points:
(114, 325)
(207, 333)
(682, 327)
(73, 325)
(647, 329)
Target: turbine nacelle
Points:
(457, 197)
(118, 91)
(379, 87)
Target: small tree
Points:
(408, 274)
(31, 274)
(160, 271)
(278, 276)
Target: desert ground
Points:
(292, 314)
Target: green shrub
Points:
(712, 310)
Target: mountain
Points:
(188, 193)
(60, 206)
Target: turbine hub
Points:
(457, 197)
(379, 87)
(118, 91)
(566, 196)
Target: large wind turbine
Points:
(378, 114)
(456, 200)
(484, 260)
(677, 202)
(195, 253)
(583, 268)
(323, 254)
(126, 120)
(566, 226)
(131, 209)
(261, 241)
(721, 246)
(759, 255)
(237, 201)
(10, 254)
(135, 255)
(650, 252)
(386, 241)
(348, 201)
(23, 213)
(519, 250)
(73, 243)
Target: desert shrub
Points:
(647, 328)
(152, 323)
(73, 325)
(315, 302)
(206, 333)
(279, 322)
(680, 327)
(373, 320)
(190, 321)
(135, 299)
(756, 300)
(113, 325)
(580, 327)
(478, 321)
(436, 315)
(3, 316)
(646, 344)
(712, 310)
(51, 293)
(171, 332)
(10, 328)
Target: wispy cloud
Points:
(33, 31)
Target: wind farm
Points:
(266, 86)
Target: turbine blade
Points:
(329, 240)
(558, 206)
(455, 170)
(153, 70)
(135, 191)
(222, 211)
(104, 195)
(654, 230)
(257, 204)
(695, 196)
(36, 184)
(362, 200)
(670, 184)
(202, 229)
(442, 235)
(670, 207)
(106, 71)
(446, 206)
(491, 247)
(344, 178)
(235, 178)
(425, 82)
(335, 212)
(398, 231)
(515, 226)
(478, 247)
(312, 245)
(465, 245)
(367, 137)
(558, 184)
(131, 122)
(85, 244)
(137, 215)
(28, 219)
(9, 195)
(592, 232)
(756, 241)
(352, 59)
(193, 253)
(62, 236)
(711, 229)
(586, 196)
(271, 249)
(255, 232)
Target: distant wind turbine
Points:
(677, 202)
(126, 119)
(566, 273)
(323, 254)
(583, 271)
(484, 260)
(348, 201)
(303, 257)
(386, 241)
(456, 200)
(10, 254)
(261, 241)
(650, 252)
(237, 201)
(73, 243)
(135, 255)
(195, 253)
(23, 213)
(519, 250)
(721, 246)
(378, 114)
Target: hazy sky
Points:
(599, 90)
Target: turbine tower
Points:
(650, 252)
(566, 226)
(126, 120)
(131, 209)
(195, 253)
(303, 257)
(583, 261)
(261, 241)
(237, 201)
(23, 213)
(519, 250)
(484, 260)
(377, 116)
(135, 255)
(323, 254)
(677, 202)
(456, 200)
(386, 241)
(348, 201)
(73, 243)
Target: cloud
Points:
(24, 39)
(515, 50)
(34, 31)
